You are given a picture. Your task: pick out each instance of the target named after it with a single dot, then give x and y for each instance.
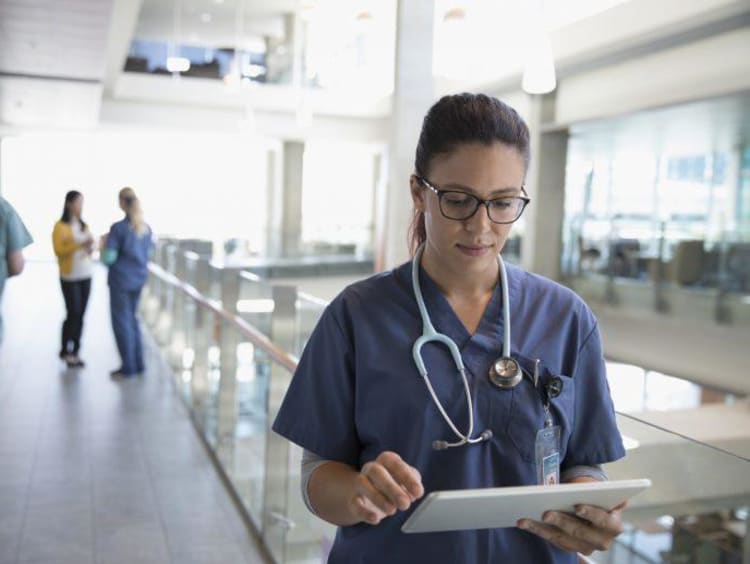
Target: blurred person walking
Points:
(126, 250)
(73, 245)
(13, 238)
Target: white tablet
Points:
(488, 508)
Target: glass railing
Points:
(226, 334)
(233, 340)
(697, 509)
(663, 268)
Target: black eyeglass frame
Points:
(479, 202)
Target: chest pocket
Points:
(527, 411)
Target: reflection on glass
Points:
(696, 510)
(642, 205)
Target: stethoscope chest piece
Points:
(505, 373)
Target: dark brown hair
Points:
(458, 119)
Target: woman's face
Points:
(76, 206)
(485, 171)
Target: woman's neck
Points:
(456, 285)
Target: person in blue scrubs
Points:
(361, 410)
(126, 251)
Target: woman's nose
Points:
(480, 221)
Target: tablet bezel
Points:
(489, 508)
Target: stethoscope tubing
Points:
(429, 334)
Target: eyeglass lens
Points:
(460, 205)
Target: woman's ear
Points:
(417, 193)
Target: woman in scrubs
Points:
(361, 410)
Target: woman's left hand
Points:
(591, 528)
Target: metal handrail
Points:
(252, 334)
(312, 299)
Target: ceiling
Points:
(54, 38)
(53, 60)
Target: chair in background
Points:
(688, 262)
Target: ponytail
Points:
(134, 210)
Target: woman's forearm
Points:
(331, 489)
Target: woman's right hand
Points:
(384, 486)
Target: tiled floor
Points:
(96, 471)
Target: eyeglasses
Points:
(461, 206)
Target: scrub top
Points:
(130, 269)
(13, 237)
(357, 393)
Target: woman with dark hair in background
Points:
(73, 244)
(126, 251)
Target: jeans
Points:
(76, 294)
(123, 307)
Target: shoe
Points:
(73, 361)
(117, 371)
(120, 376)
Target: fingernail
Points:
(524, 525)
(549, 518)
(581, 512)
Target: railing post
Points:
(660, 302)
(202, 337)
(166, 321)
(610, 295)
(283, 324)
(177, 341)
(227, 401)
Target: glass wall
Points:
(326, 44)
(662, 197)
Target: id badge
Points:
(547, 449)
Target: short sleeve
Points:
(18, 236)
(595, 438)
(317, 412)
(114, 238)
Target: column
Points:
(274, 204)
(291, 213)
(541, 247)
(412, 96)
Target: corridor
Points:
(96, 471)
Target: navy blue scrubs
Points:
(127, 276)
(357, 393)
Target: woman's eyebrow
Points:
(498, 193)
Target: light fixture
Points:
(178, 64)
(456, 13)
(539, 71)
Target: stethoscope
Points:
(505, 373)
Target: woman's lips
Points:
(474, 250)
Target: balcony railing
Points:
(233, 340)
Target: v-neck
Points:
(445, 320)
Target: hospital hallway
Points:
(94, 470)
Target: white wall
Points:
(711, 67)
(198, 185)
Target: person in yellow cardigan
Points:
(73, 244)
